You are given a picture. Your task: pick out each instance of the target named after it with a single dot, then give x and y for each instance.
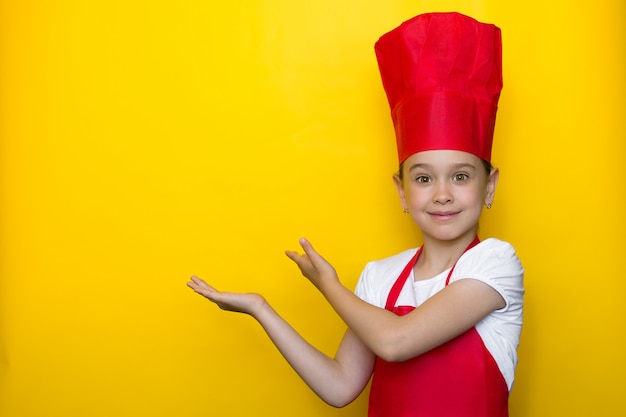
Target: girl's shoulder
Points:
(492, 248)
(492, 251)
(379, 276)
(496, 245)
(394, 261)
(491, 258)
(387, 269)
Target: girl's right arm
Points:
(337, 381)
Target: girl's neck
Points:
(439, 255)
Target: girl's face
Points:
(444, 192)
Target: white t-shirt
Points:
(493, 262)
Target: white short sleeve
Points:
(495, 263)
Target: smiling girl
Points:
(436, 327)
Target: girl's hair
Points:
(486, 164)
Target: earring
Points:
(405, 211)
(488, 206)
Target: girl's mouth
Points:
(443, 215)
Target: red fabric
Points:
(395, 291)
(442, 73)
(457, 379)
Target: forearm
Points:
(441, 318)
(332, 382)
(381, 330)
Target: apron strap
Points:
(394, 293)
(475, 242)
(399, 284)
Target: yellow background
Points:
(144, 141)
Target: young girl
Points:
(437, 327)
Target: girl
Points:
(437, 326)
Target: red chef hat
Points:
(442, 73)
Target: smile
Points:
(443, 215)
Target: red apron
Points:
(457, 379)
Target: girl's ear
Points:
(492, 181)
(400, 187)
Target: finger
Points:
(302, 261)
(311, 253)
(209, 293)
(292, 255)
(200, 283)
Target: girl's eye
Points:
(460, 177)
(422, 179)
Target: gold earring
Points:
(488, 206)
(405, 211)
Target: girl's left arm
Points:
(394, 338)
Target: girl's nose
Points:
(442, 193)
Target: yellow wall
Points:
(145, 141)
